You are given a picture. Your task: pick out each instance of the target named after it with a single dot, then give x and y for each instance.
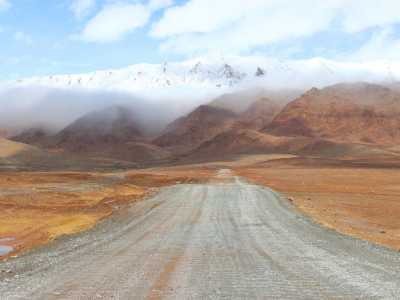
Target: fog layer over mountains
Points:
(161, 93)
(55, 108)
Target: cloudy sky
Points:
(40, 37)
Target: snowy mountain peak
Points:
(222, 73)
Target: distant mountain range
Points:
(359, 112)
(343, 120)
(215, 74)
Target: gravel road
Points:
(229, 240)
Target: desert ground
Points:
(39, 207)
(361, 200)
(100, 210)
(210, 234)
(355, 198)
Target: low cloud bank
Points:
(55, 108)
(160, 93)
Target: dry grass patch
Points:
(38, 207)
(362, 202)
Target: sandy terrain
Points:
(36, 208)
(356, 196)
(222, 240)
(9, 148)
(353, 197)
(360, 201)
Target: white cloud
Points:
(23, 37)
(81, 8)
(114, 21)
(383, 44)
(364, 14)
(234, 25)
(4, 4)
(119, 18)
(237, 25)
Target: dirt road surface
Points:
(226, 240)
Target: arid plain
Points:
(308, 183)
(353, 198)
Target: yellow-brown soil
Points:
(362, 202)
(33, 210)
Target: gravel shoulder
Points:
(230, 240)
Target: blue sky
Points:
(41, 37)
(46, 45)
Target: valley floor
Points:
(39, 207)
(353, 197)
(225, 239)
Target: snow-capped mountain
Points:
(223, 73)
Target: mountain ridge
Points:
(222, 73)
(359, 112)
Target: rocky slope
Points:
(202, 124)
(260, 113)
(112, 132)
(37, 136)
(354, 113)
